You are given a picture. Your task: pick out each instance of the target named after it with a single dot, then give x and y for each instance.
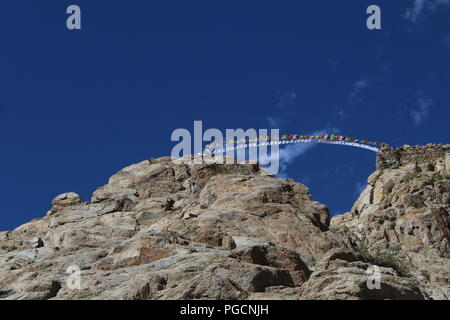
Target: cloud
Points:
(288, 154)
(419, 114)
(285, 108)
(361, 84)
(358, 86)
(287, 101)
(274, 122)
(415, 12)
(292, 152)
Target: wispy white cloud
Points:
(419, 7)
(361, 84)
(358, 86)
(413, 13)
(365, 83)
(357, 89)
(274, 122)
(287, 101)
(285, 109)
(419, 114)
(289, 153)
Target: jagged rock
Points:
(342, 274)
(275, 257)
(161, 229)
(231, 279)
(65, 200)
(406, 204)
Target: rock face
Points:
(165, 230)
(406, 206)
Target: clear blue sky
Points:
(77, 106)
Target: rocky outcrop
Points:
(343, 274)
(166, 230)
(406, 207)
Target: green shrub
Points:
(393, 253)
(439, 177)
(409, 176)
(391, 258)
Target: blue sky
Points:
(77, 106)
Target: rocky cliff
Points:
(160, 230)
